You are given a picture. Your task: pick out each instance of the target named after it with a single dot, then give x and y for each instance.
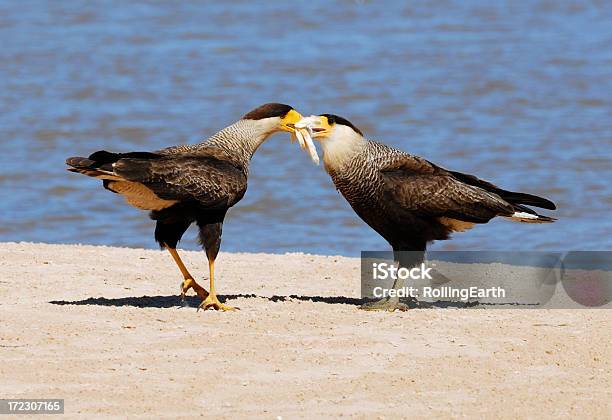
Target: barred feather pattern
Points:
(212, 174)
(238, 142)
(377, 169)
(407, 199)
(359, 179)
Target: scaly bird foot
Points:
(212, 302)
(191, 284)
(385, 304)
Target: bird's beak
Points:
(303, 135)
(316, 125)
(289, 120)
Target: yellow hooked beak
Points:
(289, 120)
(318, 125)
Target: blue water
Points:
(519, 93)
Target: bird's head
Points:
(278, 117)
(328, 127)
(339, 138)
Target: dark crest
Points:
(268, 111)
(335, 119)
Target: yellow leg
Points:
(188, 282)
(211, 301)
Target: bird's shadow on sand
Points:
(193, 301)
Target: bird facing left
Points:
(183, 184)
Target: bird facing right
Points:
(184, 184)
(408, 200)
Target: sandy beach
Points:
(102, 328)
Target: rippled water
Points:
(519, 93)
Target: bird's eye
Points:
(331, 120)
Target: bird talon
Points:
(389, 305)
(192, 284)
(212, 302)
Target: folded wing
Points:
(153, 181)
(455, 199)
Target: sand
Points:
(299, 347)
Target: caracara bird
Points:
(197, 183)
(408, 200)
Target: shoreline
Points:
(299, 347)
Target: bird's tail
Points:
(101, 169)
(513, 197)
(100, 164)
(526, 215)
(518, 200)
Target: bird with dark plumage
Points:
(408, 200)
(184, 184)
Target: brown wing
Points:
(419, 186)
(206, 179)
